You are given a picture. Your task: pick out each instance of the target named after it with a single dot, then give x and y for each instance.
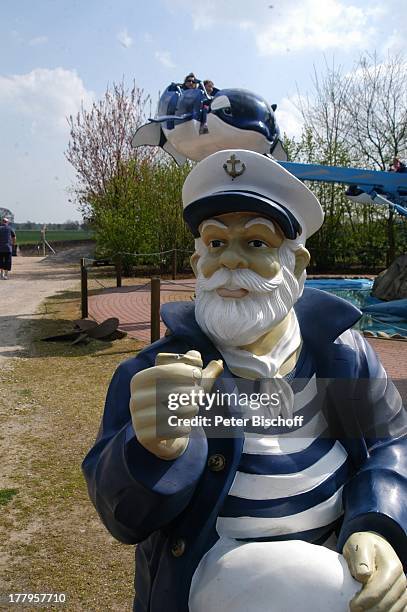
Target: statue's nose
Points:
(233, 259)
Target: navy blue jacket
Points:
(170, 508)
(6, 238)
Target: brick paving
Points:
(131, 305)
(393, 355)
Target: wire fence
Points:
(171, 261)
(119, 254)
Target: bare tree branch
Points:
(99, 146)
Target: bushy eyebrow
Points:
(214, 222)
(261, 221)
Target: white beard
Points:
(236, 322)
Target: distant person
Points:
(7, 242)
(190, 81)
(211, 90)
(397, 166)
(208, 86)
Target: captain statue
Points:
(307, 516)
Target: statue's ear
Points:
(193, 260)
(302, 259)
(274, 107)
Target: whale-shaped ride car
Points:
(191, 125)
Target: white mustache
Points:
(238, 279)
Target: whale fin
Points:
(148, 134)
(278, 151)
(151, 134)
(355, 194)
(180, 159)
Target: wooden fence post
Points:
(84, 289)
(43, 239)
(118, 273)
(174, 264)
(155, 308)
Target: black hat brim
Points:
(240, 201)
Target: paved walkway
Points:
(132, 307)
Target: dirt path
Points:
(32, 280)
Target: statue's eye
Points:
(216, 244)
(258, 244)
(227, 111)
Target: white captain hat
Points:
(236, 180)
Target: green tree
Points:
(141, 212)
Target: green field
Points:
(34, 236)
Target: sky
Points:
(56, 55)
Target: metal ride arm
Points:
(388, 188)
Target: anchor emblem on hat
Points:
(233, 162)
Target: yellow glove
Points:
(374, 563)
(183, 373)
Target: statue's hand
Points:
(182, 374)
(374, 563)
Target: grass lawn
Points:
(51, 401)
(34, 236)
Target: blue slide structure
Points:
(366, 186)
(371, 187)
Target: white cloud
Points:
(124, 38)
(395, 43)
(377, 11)
(38, 40)
(204, 13)
(16, 36)
(35, 133)
(164, 57)
(245, 25)
(44, 96)
(308, 25)
(292, 25)
(289, 117)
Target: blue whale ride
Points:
(190, 124)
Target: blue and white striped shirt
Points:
(289, 485)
